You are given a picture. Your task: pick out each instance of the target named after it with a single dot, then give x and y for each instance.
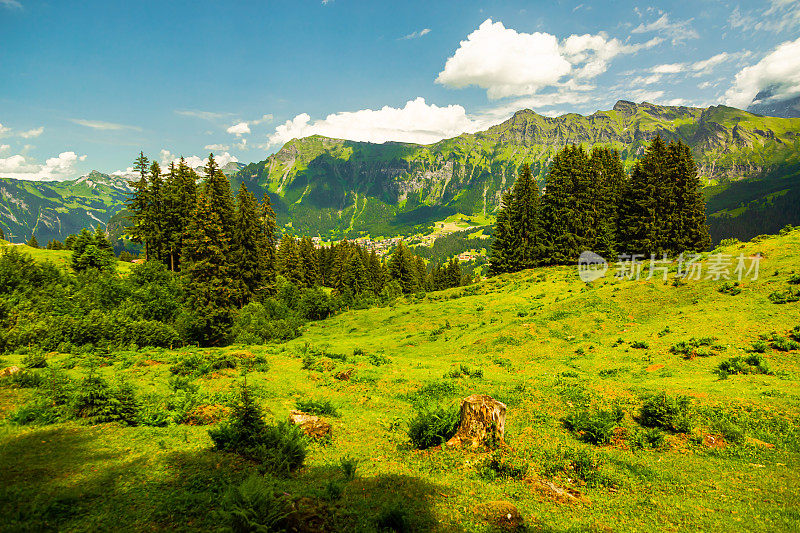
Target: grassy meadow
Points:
(543, 342)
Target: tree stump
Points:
(483, 422)
(313, 426)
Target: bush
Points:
(695, 347)
(730, 287)
(279, 448)
(641, 345)
(594, 426)
(647, 438)
(349, 466)
(752, 364)
(253, 506)
(784, 344)
(671, 413)
(432, 427)
(464, 371)
(98, 402)
(795, 333)
(393, 518)
(35, 360)
(794, 279)
(317, 407)
(40, 412)
(759, 346)
(784, 297)
(577, 463)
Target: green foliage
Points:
(499, 465)
(278, 449)
(760, 346)
(695, 347)
(349, 467)
(92, 250)
(584, 464)
(464, 371)
(790, 295)
(35, 359)
(784, 344)
(640, 345)
(648, 438)
(751, 364)
(670, 413)
(432, 426)
(98, 402)
(730, 287)
(317, 407)
(252, 506)
(594, 426)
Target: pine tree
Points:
(206, 274)
(218, 190)
(92, 250)
(288, 262)
(377, 274)
(499, 261)
(249, 247)
(687, 224)
(644, 203)
(270, 228)
(403, 269)
(138, 204)
(154, 215)
(309, 262)
(569, 216)
(526, 246)
(32, 242)
(609, 175)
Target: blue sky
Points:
(87, 85)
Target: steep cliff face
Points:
(338, 187)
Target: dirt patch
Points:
(653, 368)
(551, 491)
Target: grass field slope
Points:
(633, 405)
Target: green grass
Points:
(547, 345)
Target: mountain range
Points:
(337, 188)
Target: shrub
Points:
(784, 297)
(432, 392)
(377, 360)
(794, 279)
(317, 407)
(35, 360)
(27, 379)
(254, 505)
(464, 371)
(39, 412)
(432, 427)
(594, 426)
(647, 438)
(695, 347)
(641, 345)
(752, 364)
(795, 333)
(96, 401)
(279, 448)
(577, 463)
(759, 346)
(784, 344)
(153, 412)
(729, 430)
(671, 413)
(393, 518)
(730, 287)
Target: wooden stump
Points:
(483, 421)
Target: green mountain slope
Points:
(338, 188)
(54, 209)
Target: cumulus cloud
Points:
(671, 68)
(416, 122)
(100, 125)
(55, 168)
(194, 161)
(239, 129)
(779, 72)
(509, 63)
(35, 132)
(417, 34)
(505, 62)
(678, 30)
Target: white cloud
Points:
(217, 147)
(55, 168)
(678, 31)
(707, 65)
(417, 122)
(4, 130)
(4, 148)
(781, 15)
(11, 4)
(505, 62)
(194, 161)
(35, 132)
(508, 63)
(704, 85)
(265, 119)
(100, 125)
(417, 34)
(671, 68)
(204, 115)
(239, 129)
(779, 71)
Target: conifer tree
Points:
(207, 274)
(32, 242)
(218, 190)
(288, 260)
(92, 250)
(687, 224)
(154, 215)
(270, 228)
(526, 246)
(138, 204)
(499, 261)
(609, 176)
(377, 275)
(403, 269)
(309, 262)
(249, 247)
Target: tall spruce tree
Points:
(403, 268)
(270, 227)
(218, 190)
(288, 262)
(687, 224)
(138, 204)
(526, 243)
(309, 262)
(155, 215)
(569, 214)
(249, 247)
(207, 275)
(500, 258)
(609, 176)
